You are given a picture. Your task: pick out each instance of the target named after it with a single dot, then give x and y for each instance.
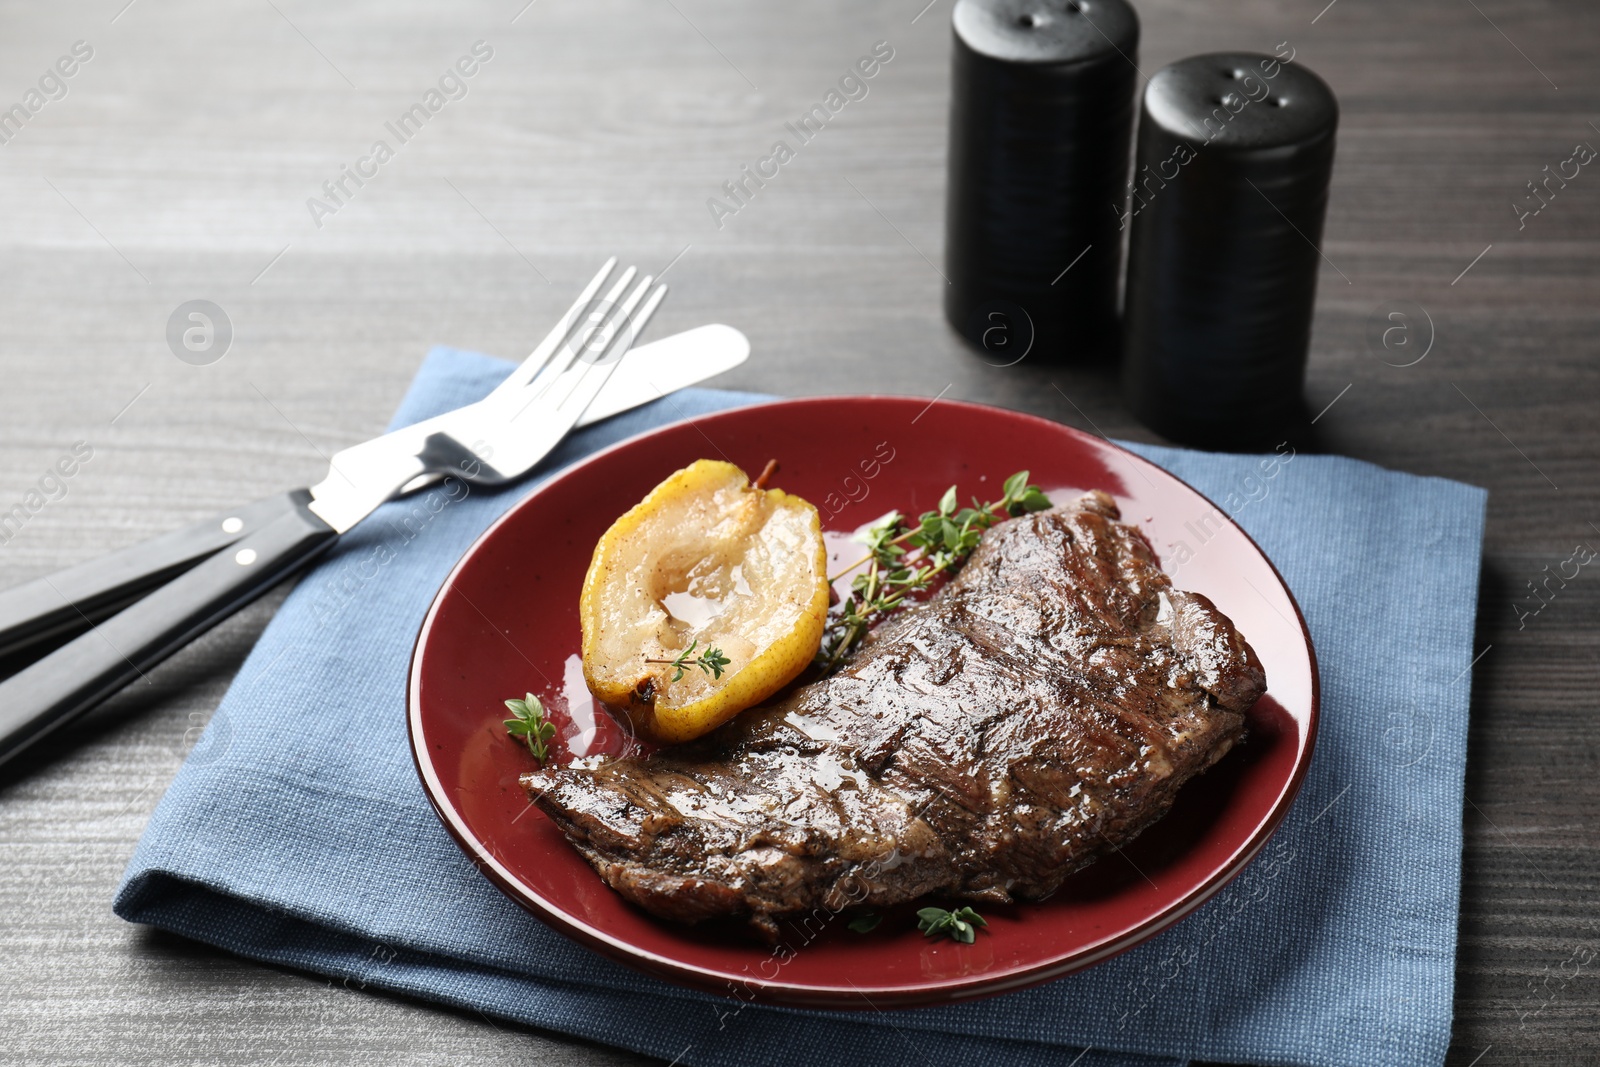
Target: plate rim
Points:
(815, 995)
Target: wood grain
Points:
(178, 166)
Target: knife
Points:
(70, 601)
(493, 441)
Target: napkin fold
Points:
(297, 832)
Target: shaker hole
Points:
(1073, 7)
(1282, 102)
(1027, 22)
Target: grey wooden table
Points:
(178, 165)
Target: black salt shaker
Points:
(1040, 119)
(1229, 190)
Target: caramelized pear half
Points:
(710, 562)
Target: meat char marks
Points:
(1042, 708)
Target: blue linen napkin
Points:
(297, 832)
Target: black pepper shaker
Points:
(1041, 116)
(1229, 190)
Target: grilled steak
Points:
(1040, 709)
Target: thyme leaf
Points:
(865, 924)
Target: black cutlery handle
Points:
(72, 600)
(91, 667)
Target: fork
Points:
(493, 441)
(415, 455)
(52, 608)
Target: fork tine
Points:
(541, 354)
(618, 324)
(627, 323)
(578, 342)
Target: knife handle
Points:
(74, 599)
(92, 666)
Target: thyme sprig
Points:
(712, 661)
(959, 925)
(528, 722)
(904, 558)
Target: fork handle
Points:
(91, 667)
(73, 599)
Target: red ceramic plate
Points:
(506, 622)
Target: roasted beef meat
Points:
(1042, 708)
